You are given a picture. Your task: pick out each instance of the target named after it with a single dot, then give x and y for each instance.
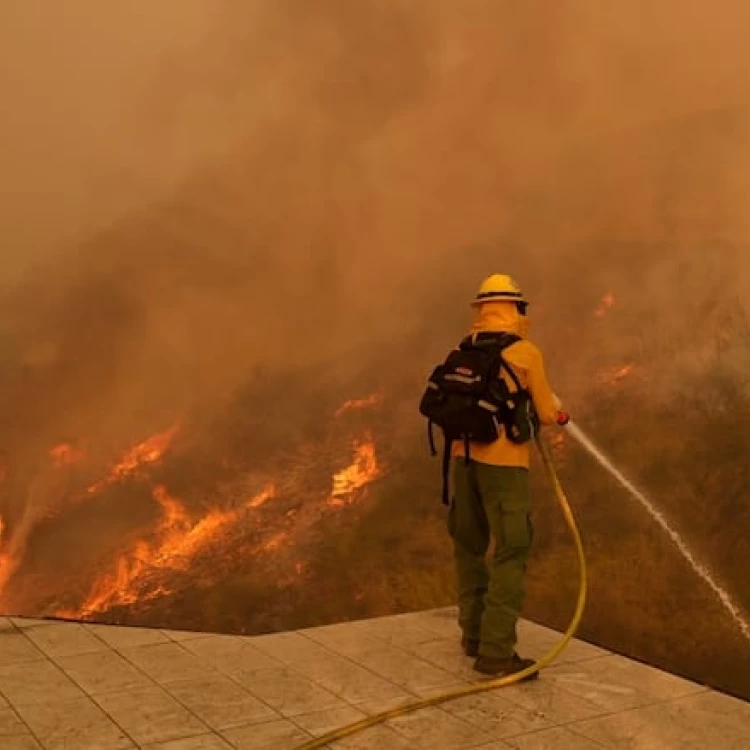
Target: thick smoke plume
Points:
(207, 181)
(197, 195)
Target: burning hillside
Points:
(198, 503)
(187, 543)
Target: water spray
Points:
(724, 597)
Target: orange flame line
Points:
(363, 470)
(370, 401)
(179, 541)
(149, 451)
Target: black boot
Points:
(499, 667)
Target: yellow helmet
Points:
(499, 288)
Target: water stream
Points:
(729, 605)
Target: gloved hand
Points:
(563, 418)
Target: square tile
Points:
(64, 639)
(319, 723)
(167, 662)
(221, 703)
(151, 715)
(432, 728)
(711, 708)
(16, 648)
(10, 723)
(116, 636)
(348, 680)
(453, 690)
(291, 648)
(178, 636)
(37, 682)
(372, 707)
(61, 725)
(534, 631)
(103, 672)
(201, 742)
(378, 737)
(448, 655)
(662, 727)
(557, 738)
(496, 715)
(550, 702)
(20, 742)
(343, 638)
(231, 654)
(536, 645)
(402, 632)
(288, 693)
(596, 685)
(31, 622)
(273, 735)
(655, 683)
(440, 624)
(405, 670)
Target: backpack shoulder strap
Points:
(466, 343)
(498, 340)
(502, 342)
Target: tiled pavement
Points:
(67, 686)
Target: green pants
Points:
(490, 500)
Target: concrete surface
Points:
(68, 686)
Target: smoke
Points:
(194, 192)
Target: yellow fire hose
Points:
(481, 687)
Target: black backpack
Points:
(467, 398)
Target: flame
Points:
(274, 542)
(66, 454)
(149, 451)
(5, 567)
(368, 402)
(363, 470)
(177, 541)
(605, 304)
(259, 500)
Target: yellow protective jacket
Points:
(527, 362)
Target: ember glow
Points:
(274, 542)
(66, 454)
(5, 566)
(363, 470)
(368, 402)
(615, 375)
(175, 543)
(148, 452)
(605, 304)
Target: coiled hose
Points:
(481, 687)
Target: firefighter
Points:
(491, 496)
